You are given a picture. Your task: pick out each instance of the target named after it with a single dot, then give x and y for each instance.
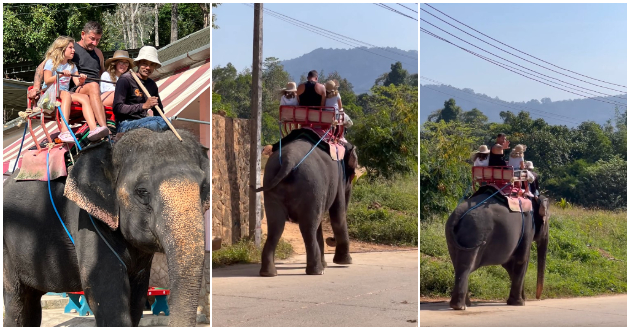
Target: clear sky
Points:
(368, 23)
(590, 39)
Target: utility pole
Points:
(255, 215)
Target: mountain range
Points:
(566, 112)
(360, 66)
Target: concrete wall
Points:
(230, 178)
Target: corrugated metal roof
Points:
(186, 44)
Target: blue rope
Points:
(110, 247)
(315, 146)
(520, 206)
(280, 148)
(51, 196)
(21, 144)
(69, 129)
(476, 206)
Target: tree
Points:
(214, 26)
(451, 111)
(174, 19)
(473, 117)
(397, 75)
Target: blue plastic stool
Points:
(77, 302)
(160, 305)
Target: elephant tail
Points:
(284, 171)
(451, 236)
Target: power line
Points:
(471, 52)
(523, 66)
(339, 35)
(54, 11)
(520, 50)
(315, 30)
(400, 4)
(395, 11)
(507, 105)
(511, 53)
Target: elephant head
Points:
(541, 237)
(155, 189)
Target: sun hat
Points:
(483, 149)
(291, 87)
(148, 53)
(120, 55)
(331, 86)
(529, 165)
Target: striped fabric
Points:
(176, 91)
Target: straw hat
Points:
(331, 86)
(121, 55)
(529, 165)
(148, 53)
(518, 150)
(483, 149)
(291, 87)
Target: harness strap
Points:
(280, 148)
(21, 144)
(313, 148)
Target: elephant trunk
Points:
(541, 247)
(183, 243)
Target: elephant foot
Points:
(343, 260)
(324, 263)
(268, 272)
(314, 271)
(457, 306)
(468, 303)
(516, 302)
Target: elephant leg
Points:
(464, 265)
(468, 303)
(517, 275)
(308, 228)
(276, 217)
(139, 285)
(320, 242)
(23, 306)
(340, 229)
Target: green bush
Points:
(246, 252)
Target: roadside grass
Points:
(586, 256)
(385, 211)
(246, 252)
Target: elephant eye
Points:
(143, 195)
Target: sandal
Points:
(65, 137)
(99, 133)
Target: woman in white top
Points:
(114, 68)
(333, 100)
(480, 157)
(289, 97)
(517, 160)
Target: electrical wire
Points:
(520, 50)
(526, 60)
(507, 105)
(315, 29)
(473, 53)
(395, 11)
(485, 58)
(400, 4)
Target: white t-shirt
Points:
(105, 87)
(64, 82)
(286, 101)
(332, 102)
(515, 162)
(479, 162)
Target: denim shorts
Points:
(153, 123)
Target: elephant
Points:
(147, 193)
(303, 194)
(492, 235)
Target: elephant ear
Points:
(91, 183)
(543, 209)
(352, 161)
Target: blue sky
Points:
(369, 23)
(590, 39)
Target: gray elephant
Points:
(146, 194)
(319, 184)
(492, 235)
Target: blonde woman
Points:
(115, 67)
(289, 97)
(59, 58)
(333, 100)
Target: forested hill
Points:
(432, 98)
(361, 68)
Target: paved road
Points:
(378, 289)
(604, 311)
